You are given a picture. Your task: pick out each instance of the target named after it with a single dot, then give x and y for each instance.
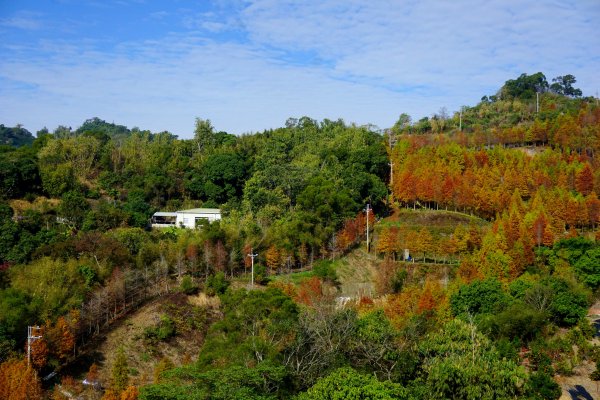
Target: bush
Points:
(163, 331)
(542, 386)
(519, 321)
(398, 280)
(478, 297)
(565, 367)
(569, 305)
(508, 349)
(216, 284)
(325, 270)
(540, 360)
(188, 286)
(260, 274)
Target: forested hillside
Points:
(482, 226)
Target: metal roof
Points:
(165, 214)
(201, 211)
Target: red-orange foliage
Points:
(593, 209)
(548, 237)
(386, 242)
(61, 338)
(130, 393)
(287, 288)
(272, 258)
(220, 256)
(585, 180)
(110, 394)
(69, 384)
(39, 351)
(402, 305)
(365, 302)
(247, 260)
(468, 270)
(310, 291)
(191, 252)
(92, 374)
(342, 242)
(18, 381)
(518, 260)
(539, 227)
(429, 298)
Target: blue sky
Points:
(250, 65)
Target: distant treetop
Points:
(17, 136)
(97, 125)
(526, 86)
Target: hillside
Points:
(483, 230)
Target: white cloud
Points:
(364, 62)
(24, 20)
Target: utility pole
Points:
(33, 334)
(368, 208)
(391, 173)
(252, 255)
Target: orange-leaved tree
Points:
(19, 381)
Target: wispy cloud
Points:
(24, 20)
(250, 65)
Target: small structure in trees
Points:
(185, 218)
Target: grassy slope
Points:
(143, 357)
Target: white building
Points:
(185, 218)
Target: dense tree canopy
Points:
(483, 253)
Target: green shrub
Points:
(478, 297)
(542, 386)
(216, 284)
(565, 367)
(188, 286)
(519, 321)
(163, 331)
(260, 274)
(508, 349)
(325, 270)
(398, 280)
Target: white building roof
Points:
(165, 214)
(201, 211)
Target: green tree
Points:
(478, 297)
(374, 347)
(588, 267)
(564, 85)
(265, 381)
(255, 327)
(204, 135)
(18, 174)
(461, 363)
(218, 179)
(73, 207)
(16, 312)
(569, 304)
(120, 371)
(346, 383)
(525, 86)
(543, 387)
